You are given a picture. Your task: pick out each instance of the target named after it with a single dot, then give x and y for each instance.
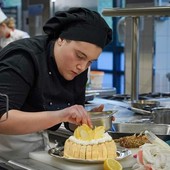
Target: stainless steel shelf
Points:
(145, 11)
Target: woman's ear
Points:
(59, 41)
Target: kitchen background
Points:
(115, 61)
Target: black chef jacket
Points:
(29, 76)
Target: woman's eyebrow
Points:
(82, 53)
(85, 55)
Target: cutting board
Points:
(44, 157)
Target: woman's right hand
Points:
(76, 114)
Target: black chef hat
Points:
(79, 24)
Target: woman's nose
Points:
(82, 66)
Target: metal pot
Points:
(161, 115)
(147, 105)
(103, 118)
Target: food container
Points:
(127, 129)
(158, 129)
(96, 79)
(103, 118)
(161, 115)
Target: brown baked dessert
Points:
(133, 141)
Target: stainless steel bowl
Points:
(103, 118)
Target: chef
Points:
(45, 79)
(8, 32)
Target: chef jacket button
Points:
(49, 73)
(68, 104)
(51, 103)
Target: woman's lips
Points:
(74, 73)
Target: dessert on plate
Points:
(133, 141)
(90, 144)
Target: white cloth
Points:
(19, 146)
(14, 35)
(152, 157)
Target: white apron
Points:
(19, 146)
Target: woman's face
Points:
(74, 57)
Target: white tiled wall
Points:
(162, 55)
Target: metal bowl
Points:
(145, 104)
(103, 118)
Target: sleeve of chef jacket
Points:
(14, 78)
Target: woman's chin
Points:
(69, 77)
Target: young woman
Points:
(45, 78)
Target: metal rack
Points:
(136, 13)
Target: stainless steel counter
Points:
(24, 164)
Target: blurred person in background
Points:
(8, 32)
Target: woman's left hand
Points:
(100, 109)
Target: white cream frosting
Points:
(106, 137)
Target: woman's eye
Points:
(80, 56)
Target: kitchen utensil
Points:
(140, 111)
(147, 105)
(103, 118)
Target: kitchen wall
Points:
(12, 13)
(65, 4)
(162, 55)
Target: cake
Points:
(90, 144)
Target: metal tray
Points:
(124, 129)
(58, 153)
